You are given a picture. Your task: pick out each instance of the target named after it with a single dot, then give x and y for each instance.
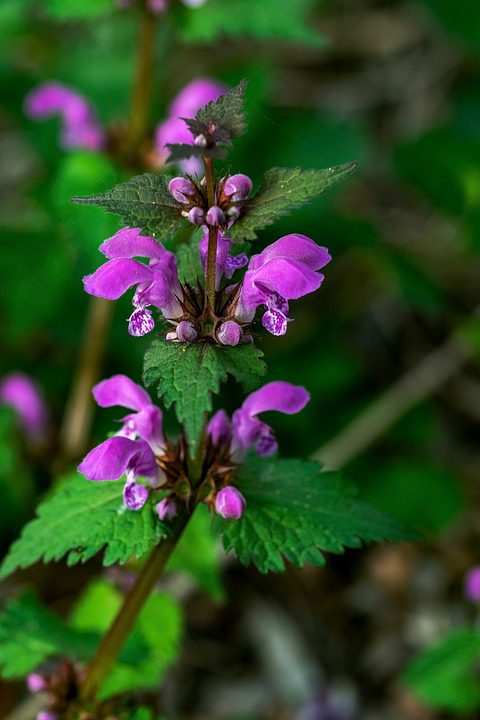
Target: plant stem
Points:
(112, 643)
(211, 271)
(143, 81)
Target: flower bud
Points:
(166, 509)
(472, 585)
(181, 188)
(36, 683)
(215, 216)
(230, 503)
(196, 215)
(186, 331)
(237, 187)
(200, 141)
(233, 213)
(230, 333)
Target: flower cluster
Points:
(151, 463)
(230, 195)
(286, 270)
(21, 393)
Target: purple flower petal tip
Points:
(36, 683)
(472, 585)
(140, 322)
(166, 509)
(267, 445)
(186, 331)
(230, 333)
(134, 495)
(230, 503)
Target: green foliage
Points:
(282, 190)
(459, 18)
(81, 518)
(188, 262)
(186, 377)
(446, 675)
(29, 634)
(294, 512)
(16, 481)
(226, 115)
(152, 646)
(77, 9)
(197, 554)
(277, 19)
(143, 201)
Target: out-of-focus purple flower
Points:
(167, 509)
(131, 451)
(285, 270)
(159, 6)
(230, 503)
(472, 584)
(22, 394)
(80, 127)
(36, 683)
(157, 283)
(245, 430)
(186, 105)
(226, 263)
(47, 715)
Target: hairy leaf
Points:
(277, 19)
(446, 675)
(183, 151)
(223, 119)
(282, 190)
(143, 201)
(29, 634)
(80, 519)
(295, 512)
(188, 262)
(186, 377)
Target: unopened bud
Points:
(230, 333)
(200, 141)
(237, 187)
(233, 213)
(215, 216)
(186, 331)
(196, 215)
(166, 509)
(181, 188)
(36, 683)
(230, 503)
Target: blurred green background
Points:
(394, 86)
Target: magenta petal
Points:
(230, 503)
(220, 428)
(224, 245)
(110, 459)
(472, 584)
(280, 396)
(128, 243)
(120, 390)
(294, 247)
(170, 131)
(289, 278)
(115, 277)
(197, 93)
(24, 396)
(275, 322)
(148, 425)
(134, 495)
(140, 322)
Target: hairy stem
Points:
(114, 640)
(211, 270)
(143, 81)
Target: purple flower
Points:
(157, 283)
(472, 584)
(36, 683)
(79, 125)
(237, 187)
(230, 503)
(22, 394)
(186, 105)
(131, 451)
(245, 430)
(47, 715)
(285, 270)
(166, 509)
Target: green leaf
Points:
(183, 151)
(152, 646)
(81, 518)
(282, 190)
(277, 19)
(186, 377)
(77, 9)
(296, 512)
(446, 675)
(221, 120)
(29, 634)
(143, 201)
(188, 262)
(197, 554)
